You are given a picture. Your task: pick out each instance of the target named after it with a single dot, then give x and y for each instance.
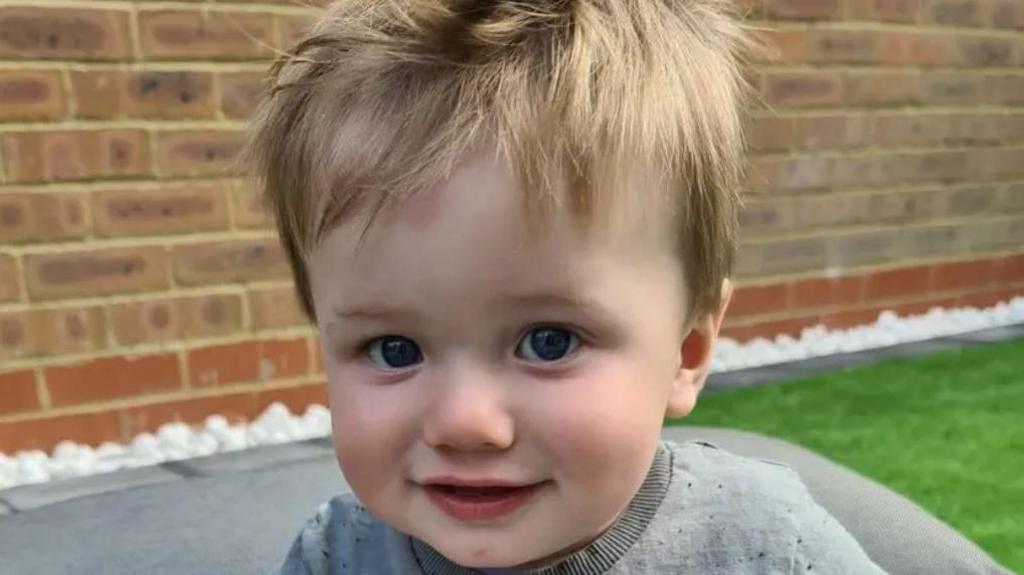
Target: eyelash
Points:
(582, 339)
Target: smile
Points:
(480, 502)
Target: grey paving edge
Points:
(253, 459)
(6, 509)
(816, 365)
(28, 497)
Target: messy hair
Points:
(383, 97)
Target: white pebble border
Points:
(177, 441)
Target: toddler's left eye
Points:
(547, 344)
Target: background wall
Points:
(140, 283)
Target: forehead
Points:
(472, 229)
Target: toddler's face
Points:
(464, 354)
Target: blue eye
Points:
(394, 352)
(547, 344)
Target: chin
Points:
(483, 556)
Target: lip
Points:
(451, 480)
(479, 500)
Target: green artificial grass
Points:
(947, 431)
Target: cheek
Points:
(608, 419)
(370, 427)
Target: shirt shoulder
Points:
(761, 510)
(343, 537)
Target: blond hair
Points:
(383, 97)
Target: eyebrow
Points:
(371, 311)
(384, 312)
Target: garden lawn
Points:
(946, 431)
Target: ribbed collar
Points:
(602, 553)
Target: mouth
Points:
(480, 501)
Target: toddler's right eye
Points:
(394, 352)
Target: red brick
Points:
(959, 275)
(898, 283)
(1010, 270)
(932, 241)
(867, 170)
(292, 29)
(165, 210)
(803, 89)
(198, 153)
(994, 234)
(822, 292)
(970, 201)
(924, 306)
(247, 362)
(119, 94)
(828, 211)
(52, 331)
(959, 13)
(943, 166)
(31, 95)
(903, 11)
(1011, 198)
(834, 130)
(37, 216)
(803, 9)
(904, 207)
(953, 88)
(761, 217)
(236, 407)
(250, 213)
(112, 378)
(168, 319)
(189, 34)
(75, 155)
(296, 399)
(240, 92)
(780, 256)
(318, 356)
(851, 318)
(759, 300)
(1002, 89)
(885, 88)
(770, 134)
(983, 52)
(46, 433)
(18, 392)
(902, 129)
(229, 261)
(770, 329)
(784, 45)
(834, 46)
(10, 278)
(917, 48)
(1008, 14)
(987, 299)
(64, 33)
(791, 173)
(861, 248)
(272, 308)
(95, 272)
(1001, 163)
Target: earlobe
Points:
(695, 357)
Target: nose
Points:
(468, 411)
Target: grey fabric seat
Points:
(898, 534)
(243, 522)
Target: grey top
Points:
(701, 509)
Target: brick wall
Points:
(140, 283)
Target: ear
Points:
(695, 355)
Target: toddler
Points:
(512, 222)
